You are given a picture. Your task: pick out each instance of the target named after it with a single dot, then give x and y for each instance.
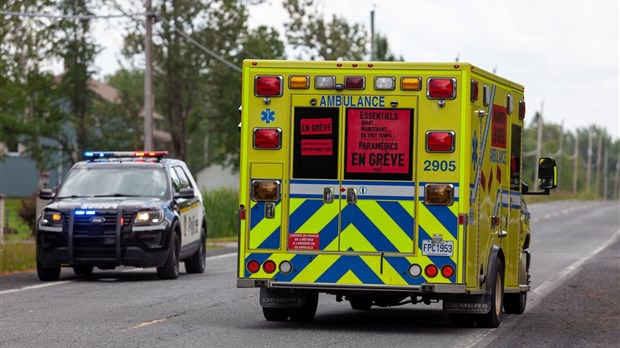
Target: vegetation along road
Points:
(574, 302)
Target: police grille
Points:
(102, 222)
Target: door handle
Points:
(352, 195)
(328, 195)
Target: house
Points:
(18, 173)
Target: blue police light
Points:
(84, 212)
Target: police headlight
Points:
(149, 217)
(51, 218)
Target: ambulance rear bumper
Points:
(328, 287)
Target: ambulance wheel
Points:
(462, 320)
(307, 312)
(83, 270)
(170, 269)
(515, 303)
(360, 304)
(47, 273)
(276, 314)
(197, 262)
(494, 317)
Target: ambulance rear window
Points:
(315, 148)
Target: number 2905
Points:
(435, 166)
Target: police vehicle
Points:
(123, 208)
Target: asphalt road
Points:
(574, 302)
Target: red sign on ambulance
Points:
(378, 141)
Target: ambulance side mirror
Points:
(547, 173)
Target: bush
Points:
(28, 212)
(222, 209)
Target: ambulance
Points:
(383, 184)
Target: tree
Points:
(320, 39)
(382, 50)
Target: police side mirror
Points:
(185, 193)
(547, 173)
(46, 194)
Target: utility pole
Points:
(538, 143)
(148, 79)
(373, 54)
(606, 163)
(599, 152)
(575, 162)
(589, 162)
(617, 181)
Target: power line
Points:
(48, 15)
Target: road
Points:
(574, 302)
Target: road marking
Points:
(45, 285)
(145, 324)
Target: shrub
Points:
(28, 212)
(222, 209)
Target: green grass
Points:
(222, 209)
(16, 228)
(16, 256)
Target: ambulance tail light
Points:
(242, 212)
(385, 83)
(439, 194)
(267, 138)
(269, 266)
(265, 190)
(354, 82)
(268, 86)
(411, 83)
(431, 271)
(441, 88)
(285, 267)
(253, 266)
(440, 141)
(447, 271)
(299, 82)
(521, 109)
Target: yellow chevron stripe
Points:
(401, 239)
(349, 278)
(265, 228)
(432, 226)
(352, 238)
(320, 219)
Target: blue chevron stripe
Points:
(446, 217)
(352, 214)
(257, 213)
(399, 215)
(439, 261)
(303, 213)
(272, 242)
(354, 264)
(329, 233)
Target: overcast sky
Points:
(565, 52)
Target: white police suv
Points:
(123, 208)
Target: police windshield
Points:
(114, 182)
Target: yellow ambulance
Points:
(384, 183)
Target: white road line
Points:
(45, 285)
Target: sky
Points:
(565, 52)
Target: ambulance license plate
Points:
(437, 248)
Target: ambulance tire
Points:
(83, 270)
(47, 274)
(198, 261)
(170, 269)
(360, 304)
(308, 311)
(515, 303)
(276, 314)
(494, 317)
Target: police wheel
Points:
(47, 273)
(198, 261)
(83, 270)
(170, 269)
(276, 314)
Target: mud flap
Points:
(281, 298)
(470, 304)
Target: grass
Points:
(16, 256)
(222, 209)
(16, 228)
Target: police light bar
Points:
(119, 154)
